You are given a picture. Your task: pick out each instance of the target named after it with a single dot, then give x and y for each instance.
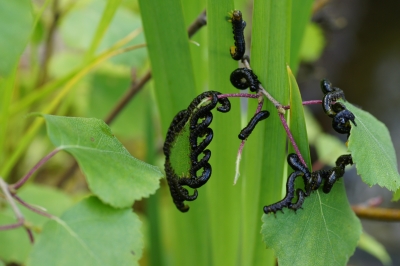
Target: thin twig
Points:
(49, 44)
(287, 107)
(281, 112)
(381, 214)
(290, 136)
(29, 174)
(14, 207)
(34, 209)
(200, 21)
(127, 97)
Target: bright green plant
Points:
(223, 225)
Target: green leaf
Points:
(297, 120)
(265, 151)
(170, 56)
(372, 150)
(112, 173)
(16, 21)
(90, 233)
(324, 232)
(14, 244)
(373, 247)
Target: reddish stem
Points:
(37, 166)
(30, 207)
(290, 136)
(12, 226)
(305, 103)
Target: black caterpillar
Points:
(312, 181)
(238, 25)
(341, 116)
(193, 114)
(243, 78)
(287, 200)
(245, 133)
(315, 179)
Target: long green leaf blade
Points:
(168, 47)
(266, 153)
(16, 21)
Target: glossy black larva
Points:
(238, 25)
(199, 119)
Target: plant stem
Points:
(49, 45)
(290, 136)
(381, 214)
(281, 112)
(14, 207)
(287, 107)
(34, 209)
(37, 166)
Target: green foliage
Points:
(317, 225)
(16, 23)
(112, 173)
(170, 57)
(324, 232)
(223, 224)
(14, 244)
(373, 247)
(90, 233)
(297, 121)
(372, 150)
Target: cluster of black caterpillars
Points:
(199, 117)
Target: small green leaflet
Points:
(112, 173)
(372, 150)
(90, 233)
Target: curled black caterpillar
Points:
(245, 133)
(287, 200)
(295, 163)
(199, 117)
(238, 25)
(315, 179)
(243, 78)
(336, 172)
(341, 121)
(301, 196)
(341, 116)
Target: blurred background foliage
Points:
(355, 44)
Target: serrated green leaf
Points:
(326, 225)
(112, 173)
(372, 150)
(16, 21)
(14, 244)
(373, 247)
(90, 233)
